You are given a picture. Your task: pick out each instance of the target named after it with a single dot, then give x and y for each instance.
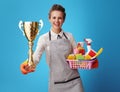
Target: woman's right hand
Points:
(25, 68)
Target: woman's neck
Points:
(57, 31)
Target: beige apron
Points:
(62, 78)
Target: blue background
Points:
(96, 19)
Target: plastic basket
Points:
(83, 64)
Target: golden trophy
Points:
(30, 29)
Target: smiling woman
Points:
(62, 77)
(56, 17)
(56, 20)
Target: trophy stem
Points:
(30, 57)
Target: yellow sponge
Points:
(87, 57)
(71, 57)
(79, 56)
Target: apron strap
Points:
(65, 35)
(50, 35)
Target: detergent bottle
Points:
(90, 52)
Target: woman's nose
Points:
(56, 20)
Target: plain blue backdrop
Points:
(96, 19)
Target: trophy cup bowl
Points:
(30, 29)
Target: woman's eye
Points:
(60, 18)
(54, 17)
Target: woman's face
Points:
(56, 19)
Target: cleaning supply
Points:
(79, 57)
(79, 49)
(82, 59)
(90, 52)
(87, 57)
(71, 57)
(98, 53)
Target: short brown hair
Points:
(58, 8)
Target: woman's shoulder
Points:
(45, 35)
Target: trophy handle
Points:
(21, 27)
(40, 24)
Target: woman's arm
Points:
(39, 50)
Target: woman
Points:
(58, 45)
